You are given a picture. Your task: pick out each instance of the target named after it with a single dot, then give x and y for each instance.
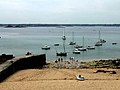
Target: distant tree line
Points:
(54, 25)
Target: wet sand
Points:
(62, 79)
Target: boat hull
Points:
(56, 44)
(76, 52)
(98, 44)
(80, 78)
(82, 49)
(90, 48)
(45, 48)
(72, 43)
(61, 54)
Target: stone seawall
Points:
(20, 63)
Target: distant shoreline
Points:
(58, 25)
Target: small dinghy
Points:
(80, 78)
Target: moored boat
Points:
(82, 48)
(90, 47)
(56, 44)
(46, 47)
(61, 53)
(78, 46)
(64, 53)
(76, 51)
(100, 41)
(114, 43)
(72, 42)
(98, 44)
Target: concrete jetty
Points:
(20, 63)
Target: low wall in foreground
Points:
(28, 62)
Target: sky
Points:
(60, 11)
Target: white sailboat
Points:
(72, 42)
(82, 48)
(64, 53)
(100, 41)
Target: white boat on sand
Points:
(80, 78)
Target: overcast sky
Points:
(60, 11)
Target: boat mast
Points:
(99, 35)
(73, 36)
(64, 38)
(83, 41)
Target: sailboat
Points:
(82, 49)
(72, 42)
(64, 53)
(101, 40)
(99, 43)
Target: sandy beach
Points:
(62, 79)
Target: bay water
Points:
(19, 41)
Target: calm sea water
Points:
(18, 41)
